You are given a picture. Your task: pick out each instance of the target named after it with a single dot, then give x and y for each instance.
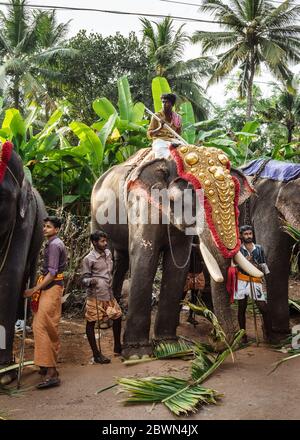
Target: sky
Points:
(109, 24)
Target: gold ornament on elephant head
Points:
(210, 166)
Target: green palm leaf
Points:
(166, 350)
(180, 396)
(202, 310)
(176, 394)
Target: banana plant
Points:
(127, 124)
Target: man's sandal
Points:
(48, 383)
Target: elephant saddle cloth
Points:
(274, 170)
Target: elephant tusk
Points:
(247, 266)
(211, 264)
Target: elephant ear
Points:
(148, 172)
(246, 189)
(24, 199)
(288, 203)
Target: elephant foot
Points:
(165, 340)
(137, 351)
(275, 338)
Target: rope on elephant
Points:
(8, 246)
(172, 254)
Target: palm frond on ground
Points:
(180, 396)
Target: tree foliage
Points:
(166, 47)
(29, 40)
(102, 61)
(256, 33)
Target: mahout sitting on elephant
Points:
(21, 234)
(127, 191)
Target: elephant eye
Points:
(164, 172)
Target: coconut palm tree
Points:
(255, 33)
(283, 107)
(165, 48)
(28, 42)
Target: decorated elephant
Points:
(126, 191)
(276, 199)
(21, 233)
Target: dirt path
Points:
(249, 392)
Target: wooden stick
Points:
(254, 313)
(167, 126)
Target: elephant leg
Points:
(267, 323)
(144, 257)
(277, 247)
(121, 265)
(277, 291)
(172, 284)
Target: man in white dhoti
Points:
(255, 254)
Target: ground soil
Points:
(250, 392)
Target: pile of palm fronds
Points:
(179, 395)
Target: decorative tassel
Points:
(232, 280)
(5, 154)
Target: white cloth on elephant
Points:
(244, 289)
(160, 147)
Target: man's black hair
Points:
(95, 236)
(56, 221)
(170, 97)
(245, 228)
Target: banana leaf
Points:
(160, 86)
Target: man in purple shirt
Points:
(46, 304)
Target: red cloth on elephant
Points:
(232, 281)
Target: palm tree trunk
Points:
(290, 134)
(250, 89)
(290, 128)
(16, 93)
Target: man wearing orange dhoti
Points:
(46, 304)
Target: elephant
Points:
(127, 189)
(275, 199)
(22, 212)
